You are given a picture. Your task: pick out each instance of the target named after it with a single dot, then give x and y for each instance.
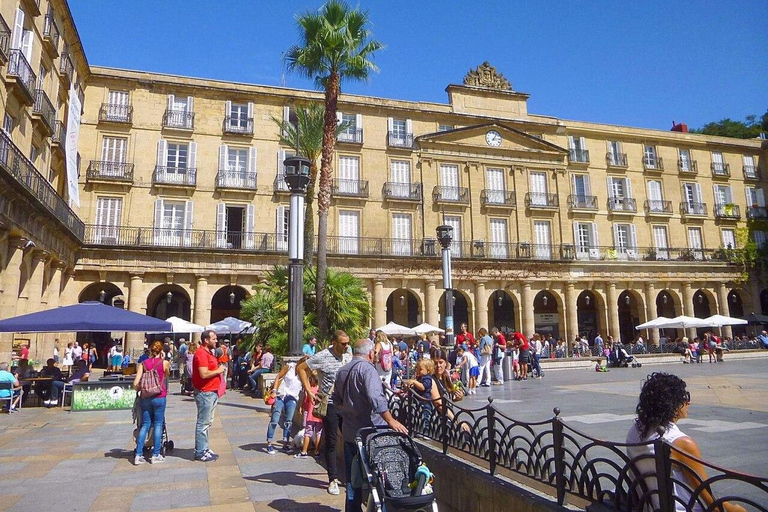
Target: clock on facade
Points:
(493, 138)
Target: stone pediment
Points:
(475, 137)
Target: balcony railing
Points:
(751, 172)
(236, 180)
(727, 211)
(66, 67)
(59, 133)
(354, 136)
(5, 40)
(399, 141)
(693, 208)
(655, 163)
(616, 159)
(101, 170)
(578, 156)
(577, 202)
(181, 176)
(622, 204)
(351, 188)
(19, 68)
(115, 113)
(720, 169)
(541, 200)
(51, 34)
(450, 195)
(280, 185)
(238, 125)
(179, 119)
(44, 110)
(757, 212)
(687, 166)
(19, 169)
(491, 197)
(658, 206)
(401, 191)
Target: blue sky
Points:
(631, 63)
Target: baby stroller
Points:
(392, 465)
(167, 443)
(619, 358)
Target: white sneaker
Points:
(139, 459)
(333, 487)
(157, 459)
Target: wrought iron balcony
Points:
(757, 212)
(350, 188)
(656, 206)
(102, 170)
(399, 141)
(66, 67)
(622, 204)
(25, 78)
(17, 168)
(174, 176)
(59, 133)
(235, 180)
(616, 159)
(5, 40)
(51, 34)
(578, 156)
(727, 211)
(687, 166)
(179, 119)
(395, 191)
(751, 172)
(577, 202)
(454, 195)
(116, 113)
(541, 200)
(720, 169)
(354, 136)
(44, 111)
(653, 163)
(691, 208)
(499, 198)
(238, 126)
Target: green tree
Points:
(346, 302)
(747, 129)
(336, 45)
(310, 132)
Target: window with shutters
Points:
(172, 229)
(238, 115)
(280, 184)
(282, 224)
(692, 202)
(578, 150)
(400, 133)
(650, 158)
(449, 182)
(348, 182)
(719, 167)
(729, 238)
(542, 240)
(581, 192)
(180, 112)
(113, 155)
(8, 123)
(585, 239)
(107, 222)
(684, 162)
(455, 222)
(750, 169)
(656, 202)
(619, 195)
(494, 185)
(400, 178)
(401, 234)
(760, 237)
(238, 118)
(661, 242)
(117, 108)
(499, 247)
(616, 157)
(237, 161)
(349, 232)
(538, 186)
(176, 160)
(351, 128)
(695, 243)
(398, 129)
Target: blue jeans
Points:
(152, 413)
(206, 404)
(254, 378)
(287, 404)
(56, 387)
(537, 364)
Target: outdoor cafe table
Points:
(35, 383)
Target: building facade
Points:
(560, 226)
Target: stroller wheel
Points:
(169, 445)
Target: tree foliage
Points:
(750, 128)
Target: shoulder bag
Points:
(150, 385)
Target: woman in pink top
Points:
(152, 408)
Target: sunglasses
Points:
(688, 397)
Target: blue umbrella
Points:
(85, 317)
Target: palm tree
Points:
(306, 137)
(336, 46)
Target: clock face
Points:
(493, 138)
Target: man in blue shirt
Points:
(6, 376)
(310, 347)
(763, 339)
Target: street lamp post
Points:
(297, 178)
(445, 237)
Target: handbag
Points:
(150, 383)
(321, 409)
(487, 349)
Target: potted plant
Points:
(729, 209)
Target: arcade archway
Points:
(546, 314)
(501, 312)
(226, 302)
(169, 300)
(630, 314)
(667, 305)
(460, 311)
(403, 308)
(111, 295)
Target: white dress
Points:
(68, 357)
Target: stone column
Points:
(54, 287)
(571, 312)
(722, 298)
(379, 304)
(526, 306)
(613, 312)
(650, 311)
(481, 306)
(431, 306)
(135, 340)
(11, 276)
(202, 303)
(688, 308)
(34, 285)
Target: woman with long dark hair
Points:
(663, 401)
(152, 407)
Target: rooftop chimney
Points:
(682, 127)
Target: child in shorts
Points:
(313, 426)
(466, 359)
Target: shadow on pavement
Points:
(286, 478)
(286, 505)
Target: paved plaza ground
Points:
(51, 459)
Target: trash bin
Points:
(506, 367)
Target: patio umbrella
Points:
(229, 325)
(756, 319)
(657, 323)
(393, 329)
(425, 327)
(181, 325)
(85, 317)
(720, 320)
(683, 322)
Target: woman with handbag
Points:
(283, 397)
(150, 382)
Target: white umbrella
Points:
(657, 323)
(720, 320)
(181, 325)
(229, 325)
(684, 322)
(393, 329)
(425, 327)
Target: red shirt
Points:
(24, 353)
(521, 340)
(501, 340)
(203, 358)
(466, 338)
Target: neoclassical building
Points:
(183, 208)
